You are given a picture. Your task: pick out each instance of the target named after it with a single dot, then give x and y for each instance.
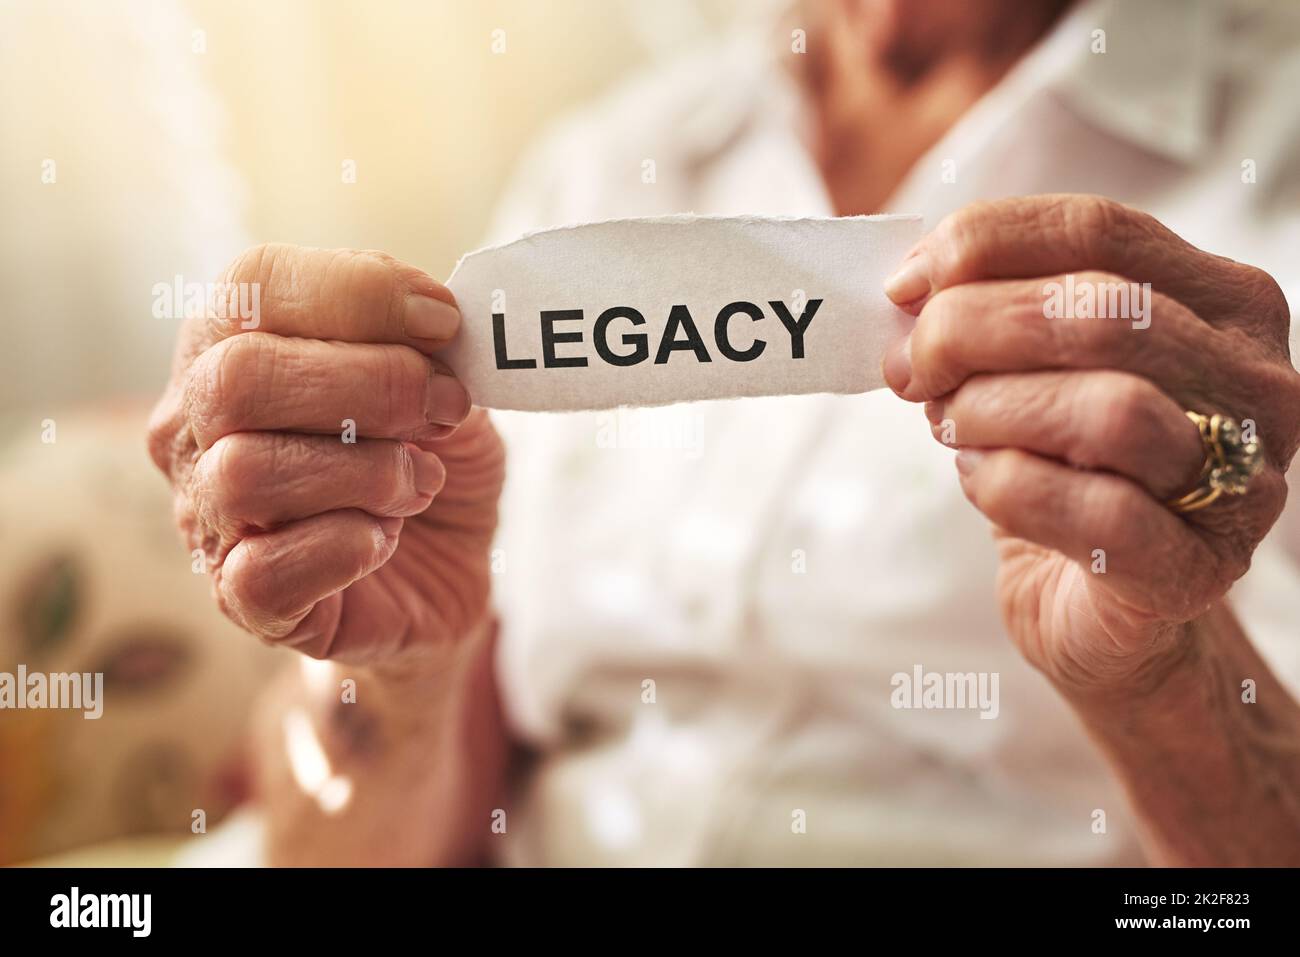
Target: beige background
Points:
(168, 161)
(177, 133)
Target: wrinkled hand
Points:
(354, 550)
(1073, 429)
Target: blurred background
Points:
(182, 130)
(141, 141)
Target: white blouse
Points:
(704, 606)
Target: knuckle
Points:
(368, 279)
(1094, 338)
(406, 379)
(161, 433)
(1172, 313)
(267, 267)
(1237, 525)
(1100, 280)
(250, 591)
(1014, 399)
(1098, 225)
(1123, 416)
(936, 336)
(1265, 297)
(955, 247)
(1114, 509)
(1131, 418)
(1094, 213)
(1125, 407)
(999, 490)
(281, 270)
(226, 478)
(221, 388)
(256, 263)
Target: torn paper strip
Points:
(671, 309)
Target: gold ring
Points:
(1231, 461)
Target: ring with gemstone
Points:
(1231, 461)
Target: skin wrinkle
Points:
(986, 408)
(1136, 419)
(397, 292)
(396, 398)
(235, 360)
(280, 465)
(402, 478)
(962, 252)
(458, 592)
(1121, 242)
(440, 599)
(1007, 493)
(308, 635)
(1170, 348)
(448, 595)
(206, 513)
(1265, 751)
(1109, 417)
(359, 286)
(1250, 752)
(1107, 643)
(299, 385)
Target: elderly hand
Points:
(341, 491)
(1073, 431)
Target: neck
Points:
(890, 77)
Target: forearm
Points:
(1214, 780)
(407, 774)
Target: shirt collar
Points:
(1153, 84)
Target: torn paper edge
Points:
(683, 219)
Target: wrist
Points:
(425, 662)
(408, 691)
(1160, 684)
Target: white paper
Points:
(824, 273)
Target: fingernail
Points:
(430, 433)
(897, 365)
(424, 317)
(934, 411)
(448, 402)
(387, 529)
(910, 283)
(428, 472)
(968, 459)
